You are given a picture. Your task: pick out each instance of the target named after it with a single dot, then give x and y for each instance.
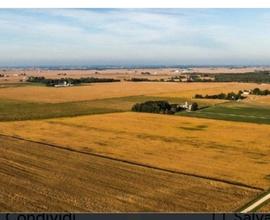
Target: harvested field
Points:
(259, 101)
(223, 88)
(219, 149)
(112, 90)
(42, 178)
(265, 208)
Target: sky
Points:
(134, 37)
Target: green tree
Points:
(194, 106)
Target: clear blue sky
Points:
(134, 36)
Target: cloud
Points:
(132, 35)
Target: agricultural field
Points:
(234, 111)
(54, 179)
(12, 110)
(265, 208)
(211, 90)
(20, 103)
(258, 101)
(13, 106)
(90, 141)
(176, 143)
(114, 90)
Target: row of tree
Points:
(162, 107)
(233, 96)
(229, 96)
(257, 91)
(53, 82)
(135, 79)
(256, 77)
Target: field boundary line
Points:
(235, 183)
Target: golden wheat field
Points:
(36, 177)
(130, 161)
(226, 150)
(121, 89)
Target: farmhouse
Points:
(187, 106)
(246, 92)
(206, 77)
(64, 84)
(175, 79)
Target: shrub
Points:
(257, 91)
(229, 96)
(198, 96)
(194, 106)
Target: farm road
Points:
(257, 203)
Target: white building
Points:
(64, 84)
(246, 92)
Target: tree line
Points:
(229, 96)
(135, 79)
(53, 82)
(257, 77)
(257, 91)
(161, 107)
(234, 96)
